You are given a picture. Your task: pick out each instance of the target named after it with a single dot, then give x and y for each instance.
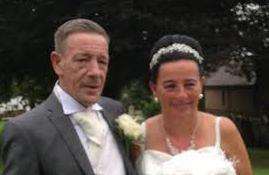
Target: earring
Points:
(201, 96)
(156, 99)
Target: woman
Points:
(182, 139)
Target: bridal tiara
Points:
(175, 47)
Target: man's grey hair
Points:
(76, 26)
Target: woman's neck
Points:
(176, 124)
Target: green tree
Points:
(27, 30)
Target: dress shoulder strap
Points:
(217, 132)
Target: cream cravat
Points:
(94, 129)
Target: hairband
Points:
(175, 47)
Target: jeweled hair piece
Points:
(175, 47)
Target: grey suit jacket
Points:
(44, 141)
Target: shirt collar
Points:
(69, 104)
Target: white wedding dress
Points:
(209, 160)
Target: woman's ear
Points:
(152, 87)
(202, 80)
(57, 62)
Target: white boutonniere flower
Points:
(129, 126)
(132, 133)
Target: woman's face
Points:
(178, 86)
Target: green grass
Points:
(261, 171)
(260, 161)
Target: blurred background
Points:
(234, 36)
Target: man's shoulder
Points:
(109, 102)
(35, 115)
(38, 112)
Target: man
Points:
(50, 139)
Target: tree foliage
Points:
(27, 29)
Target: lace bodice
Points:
(209, 160)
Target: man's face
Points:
(82, 67)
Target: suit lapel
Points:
(66, 129)
(111, 123)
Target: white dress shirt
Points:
(109, 160)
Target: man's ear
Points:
(57, 62)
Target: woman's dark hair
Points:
(168, 40)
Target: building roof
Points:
(224, 78)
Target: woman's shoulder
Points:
(152, 128)
(223, 125)
(226, 124)
(228, 131)
(152, 120)
(233, 145)
(208, 119)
